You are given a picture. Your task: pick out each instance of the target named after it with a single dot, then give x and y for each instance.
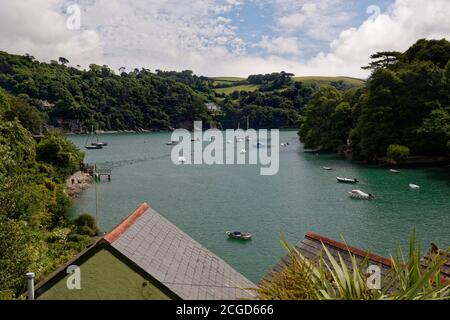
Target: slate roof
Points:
(311, 247)
(176, 260)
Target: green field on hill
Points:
(320, 81)
(249, 87)
(327, 80)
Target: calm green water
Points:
(206, 201)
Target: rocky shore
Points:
(77, 183)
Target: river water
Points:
(205, 201)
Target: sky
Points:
(220, 37)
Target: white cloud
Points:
(320, 20)
(405, 22)
(281, 45)
(199, 35)
(35, 27)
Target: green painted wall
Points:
(104, 277)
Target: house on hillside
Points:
(146, 257)
(212, 107)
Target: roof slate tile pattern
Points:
(176, 260)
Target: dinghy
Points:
(94, 147)
(414, 186)
(239, 235)
(327, 168)
(394, 171)
(347, 180)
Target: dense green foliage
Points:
(34, 221)
(59, 152)
(276, 109)
(406, 102)
(273, 81)
(101, 99)
(398, 153)
(77, 100)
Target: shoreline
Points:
(77, 183)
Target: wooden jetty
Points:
(96, 172)
(102, 172)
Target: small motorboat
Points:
(394, 171)
(172, 143)
(358, 194)
(182, 160)
(285, 144)
(94, 147)
(347, 180)
(414, 186)
(327, 168)
(239, 235)
(102, 144)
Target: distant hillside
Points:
(238, 84)
(354, 82)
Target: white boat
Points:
(182, 160)
(285, 144)
(327, 168)
(172, 143)
(394, 171)
(243, 151)
(347, 180)
(229, 142)
(414, 186)
(358, 194)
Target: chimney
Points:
(30, 277)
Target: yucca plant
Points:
(332, 278)
(411, 280)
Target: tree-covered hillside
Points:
(405, 107)
(100, 98)
(79, 100)
(35, 230)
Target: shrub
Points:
(398, 153)
(76, 237)
(85, 224)
(55, 149)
